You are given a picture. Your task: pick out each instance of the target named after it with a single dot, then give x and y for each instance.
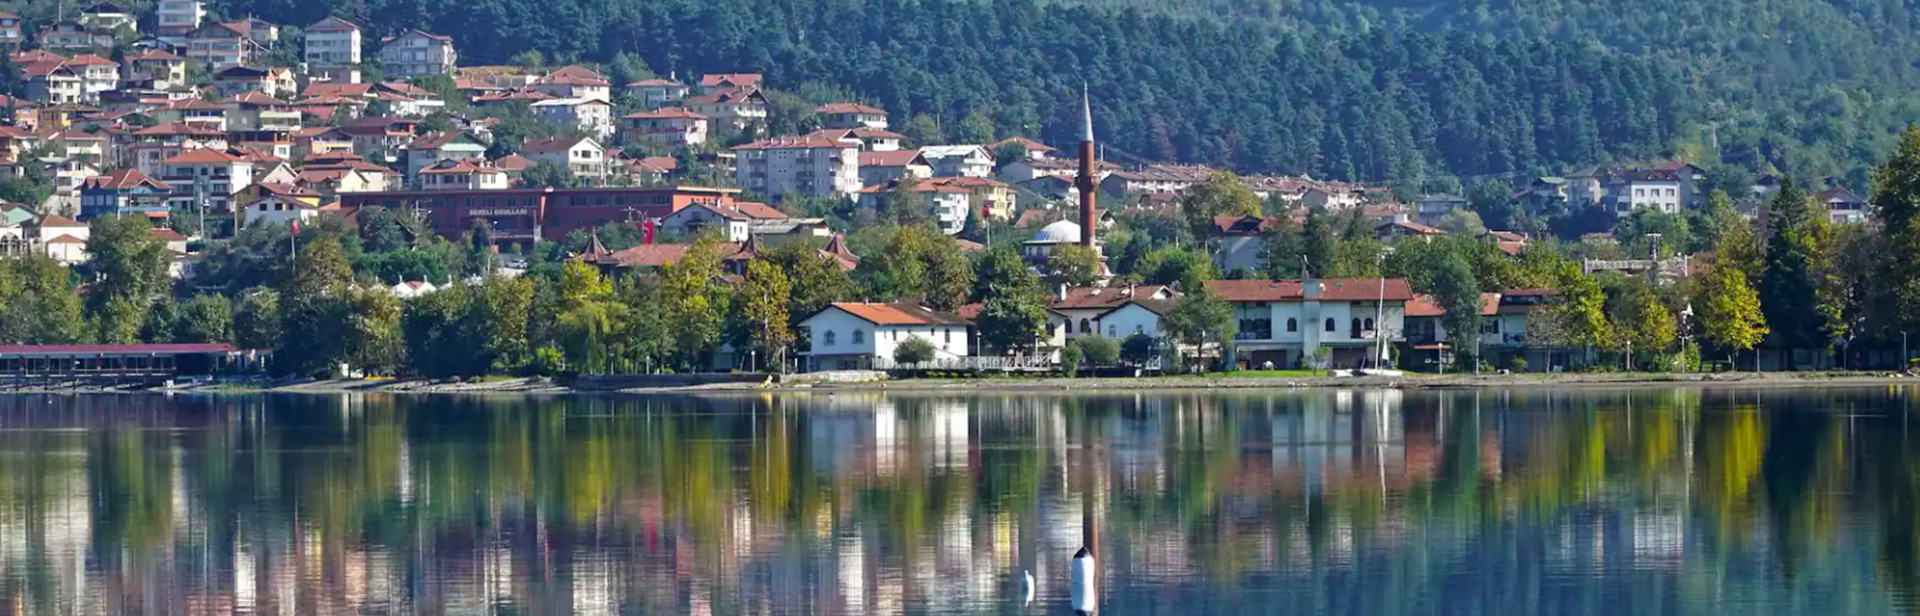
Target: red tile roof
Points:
(1086, 298)
(899, 313)
(849, 108)
(333, 24)
(730, 79)
(897, 158)
(551, 145)
(665, 113)
(123, 179)
(1332, 289)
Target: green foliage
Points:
(1098, 350)
(1223, 194)
(1457, 291)
(130, 266)
(1201, 319)
(1138, 349)
(1790, 288)
(1070, 359)
(1175, 266)
(1462, 222)
(694, 302)
(914, 350)
(549, 174)
(1729, 307)
(1072, 265)
(256, 319)
(762, 308)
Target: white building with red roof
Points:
(207, 177)
(734, 221)
(1290, 322)
(657, 93)
(582, 155)
(453, 174)
(865, 336)
(417, 54)
(851, 115)
(814, 165)
(574, 82)
(669, 125)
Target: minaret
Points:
(1086, 182)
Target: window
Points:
(826, 339)
(1639, 192)
(1369, 324)
(948, 333)
(1113, 331)
(1293, 325)
(1085, 327)
(859, 336)
(1330, 325)
(1356, 326)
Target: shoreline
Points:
(541, 386)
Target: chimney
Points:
(1310, 288)
(1063, 292)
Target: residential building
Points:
(221, 45)
(879, 168)
(1401, 227)
(53, 83)
(590, 115)
(68, 176)
(877, 139)
(969, 161)
(988, 198)
(342, 172)
(1289, 322)
(333, 50)
(277, 204)
(1431, 208)
(238, 79)
(851, 115)
(207, 177)
(261, 117)
(453, 174)
(109, 18)
(194, 112)
(949, 204)
(728, 81)
(67, 36)
(1242, 241)
(381, 139)
(1075, 311)
(1138, 317)
(178, 17)
(657, 93)
(159, 70)
(431, 148)
(521, 216)
(669, 125)
(1153, 179)
(577, 82)
(97, 75)
(739, 108)
(319, 141)
(733, 221)
(1505, 320)
(864, 336)
(416, 54)
(155, 144)
(1843, 207)
(123, 191)
(11, 34)
(1634, 189)
(582, 155)
(62, 238)
(812, 166)
(1033, 150)
(1021, 171)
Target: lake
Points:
(1321, 502)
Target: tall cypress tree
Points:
(1789, 289)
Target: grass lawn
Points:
(1264, 374)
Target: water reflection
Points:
(1328, 502)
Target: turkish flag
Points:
(296, 227)
(646, 232)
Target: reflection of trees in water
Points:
(531, 501)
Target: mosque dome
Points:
(1059, 232)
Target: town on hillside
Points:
(217, 181)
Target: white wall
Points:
(949, 341)
(1128, 320)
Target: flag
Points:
(296, 227)
(646, 232)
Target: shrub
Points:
(1099, 351)
(1519, 364)
(1137, 350)
(548, 362)
(914, 350)
(1070, 360)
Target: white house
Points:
(949, 204)
(583, 155)
(861, 336)
(453, 174)
(812, 165)
(281, 204)
(333, 50)
(734, 221)
(670, 125)
(414, 54)
(178, 17)
(591, 115)
(1843, 207)
(1648, 189)
(1289, 322)
(1078, 310)
(64, 239)
(206, 176)
(1504, 328)
(970, 161)
(851, 115)
(574, 82)
(657, 93)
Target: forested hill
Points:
(1362, 105)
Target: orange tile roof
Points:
(898, 314)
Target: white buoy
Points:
(1081, 584)
(1029, 587)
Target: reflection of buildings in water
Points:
(850, 551)
(1319, 447)
(948, 428)
(593, 593)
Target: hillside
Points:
(1371, 89)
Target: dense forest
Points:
(1362, 89)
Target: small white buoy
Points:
(1081, 584)
(1029, 588)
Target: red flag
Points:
(296, 227)
(646, 233)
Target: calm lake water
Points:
(1648, 501)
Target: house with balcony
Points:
(123, 191)
(729, 81)
(851, 115)
(417, 54)
(97, 75)
(733, 221)
(657, 93)
(194, 112)
(277, 204)
(53, 83)
(453, 174)
(259, 117)
(222, 45)
(1505, 321)
(381, 140)
(207, 177)
(863, 336)
(66, 36)
(155, 144)
(1074, 312)
(275, 82)
(1843, 207)
(574, 81)
(948, 204)
(813, 165)
(176, 18)
(156, 69)
(969, 161)
(582, 155)
(318, 141)
(737, 108)
(431, 148)
(11, 33)
(879, 168)
(333, 50)
(109, 18)
(668, 125)
(1332, 323)
(1242, 241)
(589, 115)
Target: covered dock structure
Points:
(124, 364)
